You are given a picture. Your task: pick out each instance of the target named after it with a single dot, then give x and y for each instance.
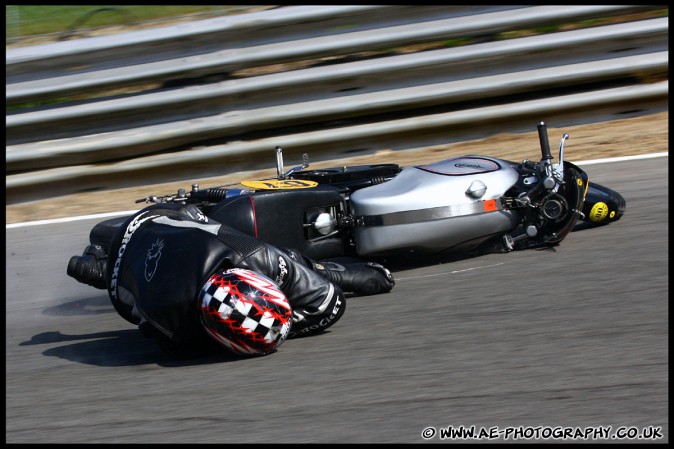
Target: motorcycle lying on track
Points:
(369, 211)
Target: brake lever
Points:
(559, 168)
(554, 173)
(279, 164)
(180, 196)
(305, 164)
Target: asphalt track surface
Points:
(572, 338)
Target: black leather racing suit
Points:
(164, 254)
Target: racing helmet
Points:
(245, 312)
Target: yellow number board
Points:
(280, 184)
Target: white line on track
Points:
(449, 272)
(63, 220)
(128, 212)
(623, 158)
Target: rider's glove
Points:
(365, 278)
(90, 267)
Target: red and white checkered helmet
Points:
(245, 312)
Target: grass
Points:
(40, 20)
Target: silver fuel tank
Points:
(431, 208)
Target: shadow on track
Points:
(116, 348)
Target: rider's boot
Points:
(90, 267)
(365, 278)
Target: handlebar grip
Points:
(543, 137)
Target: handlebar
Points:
(279, 163)
(553, 173)
(543, 137)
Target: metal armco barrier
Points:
(142, 140)
(359, 104)
(270, 37)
